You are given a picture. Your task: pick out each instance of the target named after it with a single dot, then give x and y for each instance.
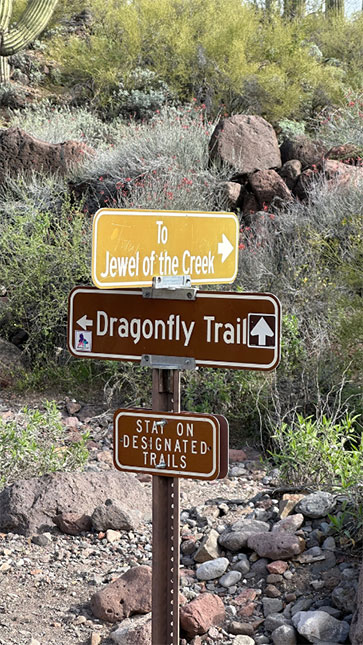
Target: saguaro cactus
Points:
(15, 38)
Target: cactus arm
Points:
(31, 23)
(6, 8)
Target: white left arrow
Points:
(84, 322)
(225, 248)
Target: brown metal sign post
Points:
(165, 526)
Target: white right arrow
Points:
(262, 329)
(225, 248)
(84, 322)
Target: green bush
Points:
(43, 254)
(35, 444)
(228, 53)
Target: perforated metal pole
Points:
(165, 526)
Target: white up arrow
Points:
(225, 248)
(84, 322)
(262, 329)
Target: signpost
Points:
(216, 329)
(169, 327)
(130, 247)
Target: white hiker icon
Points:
(262, 330)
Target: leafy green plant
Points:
(35, 444)
(323, 452)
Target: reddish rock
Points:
(22, 153)
(245, 596)
(268, 186)
(277, 546)
(250, 204)
(278, 567)
(247, 610)
(201, 613)
(73, 523)
(237, 455)
(246, 143)
(129, 594)
(304, 182)
(303, 149)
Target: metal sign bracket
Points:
(178, 287)
(168, 362)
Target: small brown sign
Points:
(217, 329)
(168, 444)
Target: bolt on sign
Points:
(130, 247)
(174, 445)
(217, 329)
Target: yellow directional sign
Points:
(130, 247)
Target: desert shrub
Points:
(230, 53)
(43, 254)
(55, 124)
(336, 126)
(35, 444)
(310, 257)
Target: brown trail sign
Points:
(174, 445)
(216, 329)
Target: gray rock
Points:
(235, 538)
(303, 604)
(344, 597)
(112, 515)
(273, 621)
(284, 635)
(133, 630)
(329, 544)
(242, 565)
(246, 143)
(212, 569)
(230, 578)
(290, 524)
(316, 505)
(318, 626)
(271, 606)
(28, 506)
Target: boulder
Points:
(269, 187)
(246, 143)
(129, 594)
(201, 613)
(11, 362)
(29, 506)
(302, 148)
(22, 153)
(235, 538)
